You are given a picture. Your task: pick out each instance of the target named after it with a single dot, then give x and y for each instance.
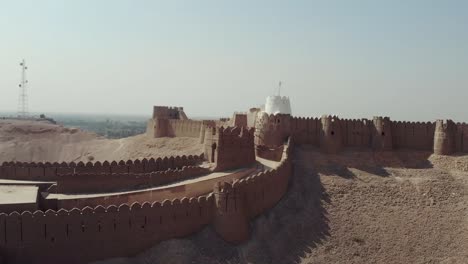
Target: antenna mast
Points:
(23, 96)
(279, 88)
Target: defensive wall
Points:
(82, 235)
(332, 133)
(178, 190)
(112, 182)
(32, 171)
(173, 112)
(269, 153)
(230, 147)
(172, 122)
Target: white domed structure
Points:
(276, 104)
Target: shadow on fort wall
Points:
(283, 234)
(296, 225)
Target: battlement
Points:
(380, 133)
(230, 147)
(223, 132)
(445, 137)
(111, 182)
(272, 129)
(88, 234)
(172, 112)
(47, 171)
(444, 125)
(172, 122)
(99, 232)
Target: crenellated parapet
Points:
(244, 199)
(160, 126)
(331, 137)
(382, 133)
(47, 171)
(167, 112)
(99, 232)
(93, 233)
(231, 220)
(72, 183)
(444, 137)
(272, 129)
(230, 147)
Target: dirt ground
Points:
(356, 207)
(28, 141)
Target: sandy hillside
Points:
(403, 207)
(42, 141)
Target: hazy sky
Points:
(404, 59)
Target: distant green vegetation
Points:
(108, 126)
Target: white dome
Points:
(276, 104)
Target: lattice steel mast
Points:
(23, 96)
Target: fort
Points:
(91, 211)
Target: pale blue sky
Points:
(404, 59)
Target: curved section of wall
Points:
(248, 197)
(272, 130)
(50, 171)
(183, 189)
(88, 234)
(105, 182)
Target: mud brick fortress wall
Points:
(229, 148)
(173, 122)
(51, 171)
(331, 133)
(112, 182)
(103, 226)
(168, 192)
(81, 235)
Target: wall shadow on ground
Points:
(372, 162)
(296, 225)
(283, 234)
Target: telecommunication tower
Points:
(23, 96)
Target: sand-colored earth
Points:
(356, 207)
(28, 141)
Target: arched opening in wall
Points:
(332, 132)
(383, 134)
(213, 149)
(277, 121)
